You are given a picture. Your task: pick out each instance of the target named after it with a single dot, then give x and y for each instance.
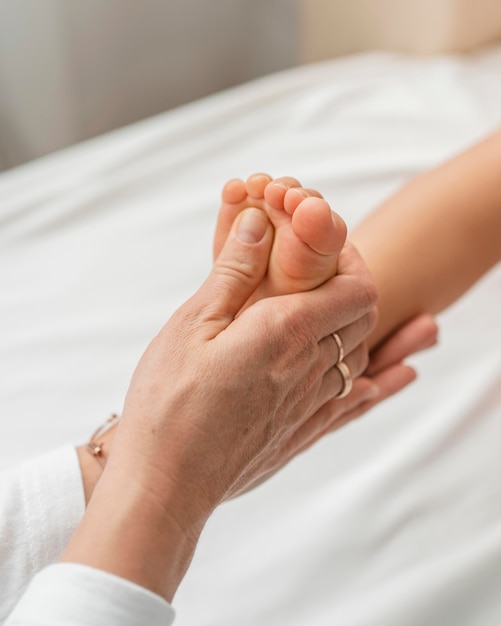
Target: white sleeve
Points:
(41, 504)
(69, 594)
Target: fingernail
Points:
(252, 225)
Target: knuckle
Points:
(292, 323)
(292, 340)
(368, 293)
(359, 360)
(371, 320)
(365, 357)
(235, 268)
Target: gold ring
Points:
(344, 370)
(339, 345)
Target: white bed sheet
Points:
(393, 521)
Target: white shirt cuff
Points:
(69, 594)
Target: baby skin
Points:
(308, 234)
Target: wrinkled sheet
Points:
(393, 521)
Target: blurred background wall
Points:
(73, 69)
(333, 27)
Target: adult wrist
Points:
(128, 532)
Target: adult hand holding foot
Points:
(308, 237)
(221, 398)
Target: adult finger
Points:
(417, 334)
(339, 345)
(348, 338)
(365, 395)
(336, 413)
(331, 414)
(337, 377)
(389, 382)
(237, 271)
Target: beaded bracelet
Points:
(95, 447)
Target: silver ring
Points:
(339, 345)
(344, 370)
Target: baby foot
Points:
(308, 234)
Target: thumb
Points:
(239, 268)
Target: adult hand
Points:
(386, 375)
(216, 399)
(217, 395)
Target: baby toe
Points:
(234, 191)
(256, 184)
